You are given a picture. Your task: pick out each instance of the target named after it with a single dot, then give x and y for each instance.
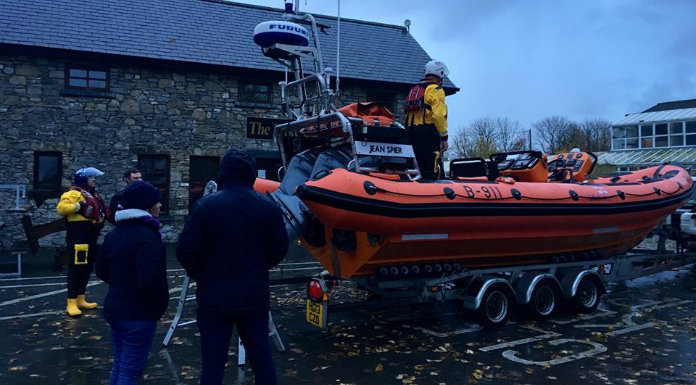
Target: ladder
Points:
(210, 188)
(176, 322)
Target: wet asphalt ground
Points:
(643, 333)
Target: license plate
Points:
(315, 313)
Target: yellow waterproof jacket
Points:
(436, 115)
(69, 206)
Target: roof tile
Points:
(204, 30)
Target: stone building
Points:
(165, 87)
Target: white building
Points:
(663, 133)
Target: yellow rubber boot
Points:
(83, 304)
(72, 308)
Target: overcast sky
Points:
(531, 59)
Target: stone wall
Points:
(147, 110)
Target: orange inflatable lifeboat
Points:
(371, 222)
(352, 193)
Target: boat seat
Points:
(473, 167)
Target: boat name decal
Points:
(384, 149)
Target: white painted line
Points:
(418, 317)
(631, 329)
(605, 326)
(31, 297)
(450, 333)
(519, 342)
(597, 348)
(30, 315)
(33, 285)
(585, 317)
(671, 304)
(31, 278)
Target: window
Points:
(690, 129)
(646, 136)
(254, 92)
(155, 169)
(618, 138)
(631, 137)
(661, 139)
(85, 78)
(48, 171)
(624, 137)
(202, 169)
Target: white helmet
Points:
(437, 68)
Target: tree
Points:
(486, 136)
(595, 135)
(556, 134)
(509, 135)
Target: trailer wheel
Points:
(494, 310)
(586, 299)
(543, 302)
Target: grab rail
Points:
(19, 189)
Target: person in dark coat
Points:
(229, 242)
(133, 263)
(116, 203)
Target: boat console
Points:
(522, 166)
(574, 166)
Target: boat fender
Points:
(449, 193)
(280, 32)
(621, 194)
(505, 179)
(516, 193)
(370, 188)
(573, 195)
(657, 191)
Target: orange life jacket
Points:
(94, 207)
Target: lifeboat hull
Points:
(480, 223)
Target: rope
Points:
(532, 197)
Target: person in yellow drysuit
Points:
(426, 120)
(85, 212)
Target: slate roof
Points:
(203, 31)
(657, 116)
(675, 105)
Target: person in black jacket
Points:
(229, 242)
(116, 202)
(133, 263)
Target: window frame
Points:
(57, 186)
(148, 172)
(676, 134)
(242, 96)
(197, 184)
(88, 70)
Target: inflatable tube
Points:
(368, 222)
(280, 32)
(265, 186)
